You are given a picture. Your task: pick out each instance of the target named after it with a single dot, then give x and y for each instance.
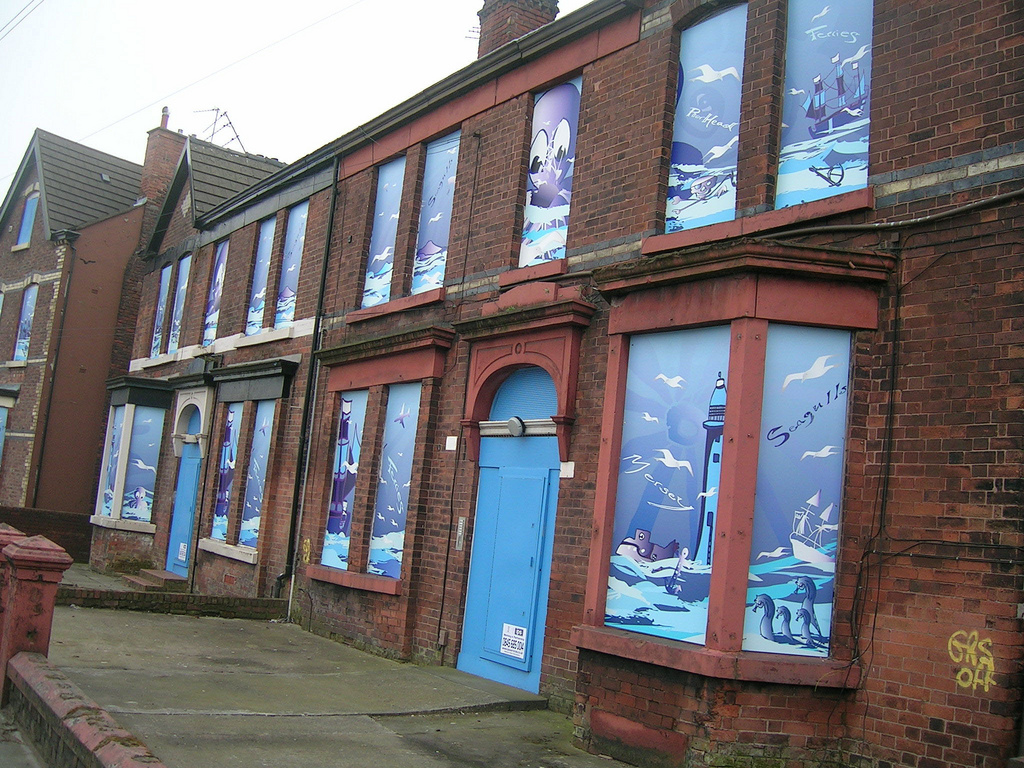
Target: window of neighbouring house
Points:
(213, 297)
(435, 213)
(291, 263)
(826, 107)
(3, 430)
(28, 218)
(550, 173)
(380, 262)
(702, 176)
(28, 312)
(347, 449)
(260, 277)
(156, 347)
(226, 470)
(255, 483)
(178, 310)
(671, 470)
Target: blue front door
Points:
(179, 547)
(510, 565)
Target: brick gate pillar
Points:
(32, 570)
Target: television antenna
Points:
(221, 122)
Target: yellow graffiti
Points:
(307, 551)
(975, 654)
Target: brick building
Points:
(664, 360)
(69, 226)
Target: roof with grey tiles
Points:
(78, 185)
(213, 175)
(219, 174)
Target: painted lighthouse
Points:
(714, 426)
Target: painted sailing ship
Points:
(836, 100)
(809, 529)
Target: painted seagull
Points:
(816, 371)
(671, 461)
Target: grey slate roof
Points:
(213, 174)
(73, 190)
(219, 174)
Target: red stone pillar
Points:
(32, 569)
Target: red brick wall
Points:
(938, 557)
(163, 150)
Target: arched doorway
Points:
(510, 564)
(179, 545)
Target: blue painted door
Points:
(179, 547)
(510, 565)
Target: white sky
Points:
(99, 71)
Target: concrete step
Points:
(152, 580)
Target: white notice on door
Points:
(513, 641)
(182, 551)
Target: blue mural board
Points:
(387, 541)
(156, 346)
(226, 470)
(143, 459)
(260, 276)
(556, 115)
(826, 107)
(347, 450)
(380, 262)
(180, 289)
(212, 317)
(113, 456)
(669, 475)
(291, 263)
(256, 478)
(435, 214)
(702, 178)
(799, 486)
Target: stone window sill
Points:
(747, 666)
(231, 551)
(117, 524)
(364, 581)
(396, 305)
(761, 222)
(536, 272)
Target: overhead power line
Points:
(8, 24)
(222, 69)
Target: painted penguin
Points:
(784, 614)
(806, 585)
(805, 629)
(766, 604)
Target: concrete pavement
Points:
(205, 692)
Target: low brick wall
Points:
(260, 608)
(67, 728)
(70, 530)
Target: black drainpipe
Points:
(308, 404)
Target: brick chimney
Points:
(162, 153)
(502, 21)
